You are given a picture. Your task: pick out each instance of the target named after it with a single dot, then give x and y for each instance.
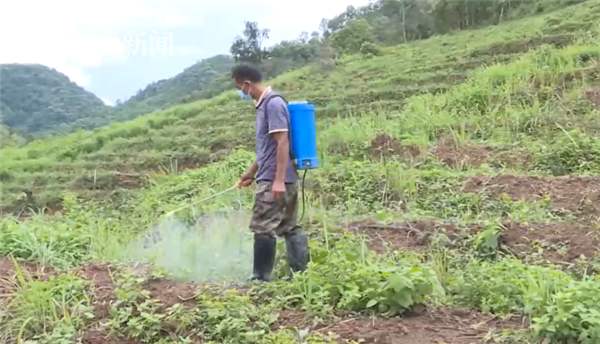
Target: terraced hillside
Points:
(457, 203)
(192, 135)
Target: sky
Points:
(113, 48)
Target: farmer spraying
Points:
(276, 199)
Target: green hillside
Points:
(197, 133)
(204, 79)
(457, 202)
(35, 99)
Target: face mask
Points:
(243, 95)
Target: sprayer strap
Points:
(266, 103)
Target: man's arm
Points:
(283, 155)
(248, 176)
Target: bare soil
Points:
(457, 155)
(101, 335)
(559, 243)
(415, 235)
(383, 145)
(31, 270)
(433, 326)
(100, 276)
(577, 195)
(556, 242)
(170, 292)
(593, 95)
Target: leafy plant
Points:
(486, 242)
(231, 317)
(571, 315)
(350, 278)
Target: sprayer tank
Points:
(303, 134)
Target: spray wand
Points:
(215, 195)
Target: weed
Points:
(51, 311)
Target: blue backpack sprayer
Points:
(303, 138)
(302, 135)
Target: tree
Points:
(249, 48)
(352, 36)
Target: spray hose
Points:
(234, 186)
(201, 200)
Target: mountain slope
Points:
(204, 79)
(35, 99)
(194, 134)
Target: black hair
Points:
(246, 72)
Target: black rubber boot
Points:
(296, 243)
(264, 257)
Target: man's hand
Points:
(244, 181)
(278, 189)
(248, 176)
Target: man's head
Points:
(248, 80)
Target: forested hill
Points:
(35, 99)
(203, 79)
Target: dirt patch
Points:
(593, 95)
(292, 318)
(579, 195)
(459, 155)
(130, 180)
(515, 157)
(101, 335)
(6, 277)
(100, 276)
(435, 326)
(169, 292)
(415, 235)
(557, 242)
(383, 145)
(31, 270)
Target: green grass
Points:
(205, 131)
(50, 311)
(419, 96)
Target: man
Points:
(276, 200)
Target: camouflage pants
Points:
(274, 216)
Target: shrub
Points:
(572, 315)
(370, 49)
(350, 278)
